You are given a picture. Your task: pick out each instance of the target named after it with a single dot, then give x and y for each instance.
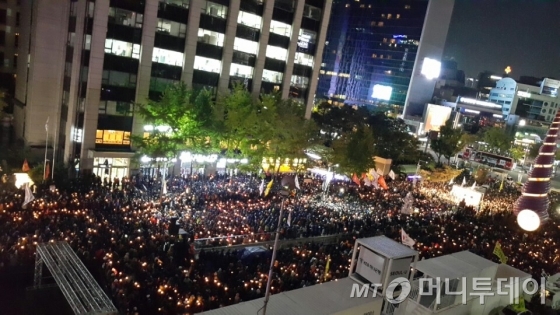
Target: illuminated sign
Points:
(400, 36)
(431, 68)
(471, 111)
(473, 101)
(382, 92)
(523, 94)
(436, 116)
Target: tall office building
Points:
(89, 62)
(9, 41)
(370, 51)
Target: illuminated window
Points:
(384, 40)
(398, 16)
(87, 43)
(380, 56)
(180, 3)
(303, 59)
(249, 19)
(372, 23)
(374, 56)
(347, 5)
(207, 64)
(407, 7)
(389, 16)
(214, 9)
(114, 137)
(362, 6)
(172, 28)
(120, 48)
(280, 28)
(210, 37)
(299, 81)
(383, 15)
(272, 76)
(275, 52)
(241, 71)
(307, 37)
(125, 17)
(246, 46)
(380, 23)
(168, 57)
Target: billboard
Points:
(550, 87)
(382, 92)
(370, 265)
(431, 68)
(435, 117)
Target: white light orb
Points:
(528, 220)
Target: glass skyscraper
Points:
(370, 51)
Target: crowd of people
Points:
(121, 232)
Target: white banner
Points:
(370, 265)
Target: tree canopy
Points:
(448, 142)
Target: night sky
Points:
(492, 34)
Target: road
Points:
(514, 174)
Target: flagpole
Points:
(55, 140)
(274, 249)
(46, 149)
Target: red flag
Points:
(355, 179)
(25, 168)
(47, 171)
(382, 183)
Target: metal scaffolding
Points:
(82, 292)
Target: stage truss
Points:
(83, 293)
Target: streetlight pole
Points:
(274, 250)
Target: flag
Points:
(28, 195)
(392, 175)
(464, 181)
(47, 125)
(261, 188)
(367, 181)
(327, 267)
(25, 168)
(473, 185)
(290, 218)
(47, 170)
(382, 183)
(355, 179)
(297, 182)
(502, 185)
(407, 240)
(268, 188)
(500, 253)
(163, 186)
(451, 182)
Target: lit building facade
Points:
(529, 102)
(10, 18)
(89, 62)
(370, 51)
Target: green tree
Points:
(186, 113)
(449, 141)
(517, 152)
(392, 139)
(498, 139)
(534, 150)
(354, 152)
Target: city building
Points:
(370, 51)
(536, 103)
(89, 62)
(9, 41)
(427, 65)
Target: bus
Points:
(490, 159)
